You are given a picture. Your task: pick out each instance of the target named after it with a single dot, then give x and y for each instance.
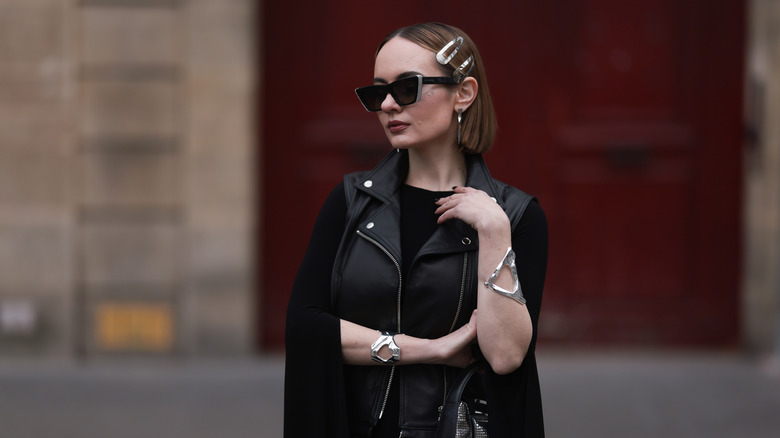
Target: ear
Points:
(466, 94)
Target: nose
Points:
(389, 104)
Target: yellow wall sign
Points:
(134, 327)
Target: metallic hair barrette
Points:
(444, 60)
(460, 73)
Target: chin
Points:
(396, 144)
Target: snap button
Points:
(370, 225)
(466, 241)
(368, 184)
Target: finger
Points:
(444, 217)
(447, 204)
(449, 198)
(453, 209)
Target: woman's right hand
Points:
(455, 349)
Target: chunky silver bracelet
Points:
(516, 293)
(386, 338)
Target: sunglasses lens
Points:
(405, 90)
(372, 96)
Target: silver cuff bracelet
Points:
(508, 261)
(386, 338)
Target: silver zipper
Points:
(398, 312)
(462, 291)
(455, 321)
(387, 391)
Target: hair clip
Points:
(459, 74)
(441, 59)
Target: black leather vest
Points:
(436, 298)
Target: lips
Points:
(396, 126)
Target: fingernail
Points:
(436, 200)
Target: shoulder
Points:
(353, 178)
(515, 201)
(348, 185)
(335, 205)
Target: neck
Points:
(436, 171)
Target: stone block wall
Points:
(36, 187)
(127, 160)
(761, 296)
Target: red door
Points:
(622, 117)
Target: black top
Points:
(418, 220)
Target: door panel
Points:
(628, 131)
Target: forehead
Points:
(400, 55)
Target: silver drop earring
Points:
(460, 119)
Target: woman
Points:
(383, 312)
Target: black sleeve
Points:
(314, 403)
(529, 241)
(514, 399)
(310, 299)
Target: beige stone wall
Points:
(126, 176)
(761, 297)
(36, 186)
(220, 176)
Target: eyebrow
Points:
(403, 75)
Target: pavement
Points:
(632, 394)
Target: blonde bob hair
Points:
(479, 120)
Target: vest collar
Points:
(387, 177)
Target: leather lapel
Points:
(383, 225)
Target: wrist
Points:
(439, 350)
(386, 341)
(419, 350)
(496, 227)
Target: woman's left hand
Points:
(472, 206)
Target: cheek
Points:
(442, 117)
(438, 97)
(444, 107)
(438, 108)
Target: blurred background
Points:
(162, 163)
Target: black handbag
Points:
(464, 414)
